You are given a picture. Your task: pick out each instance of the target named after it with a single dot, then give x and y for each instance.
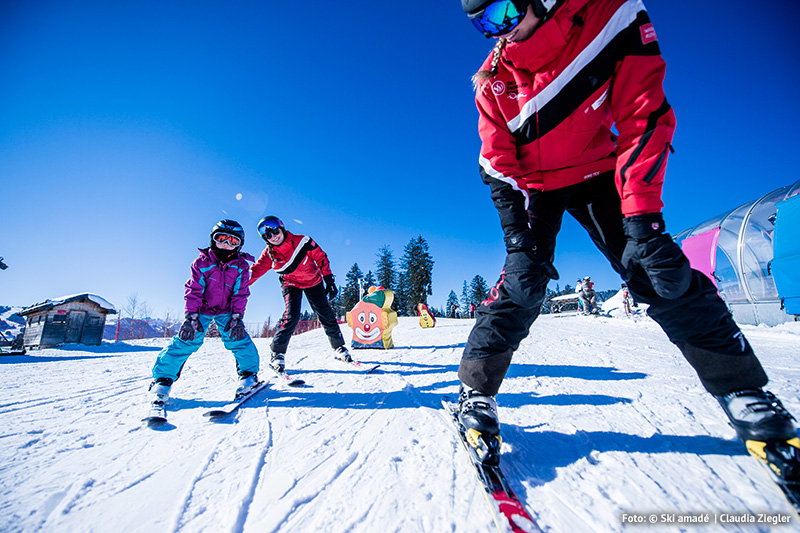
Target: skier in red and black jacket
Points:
(562, 73)
(302, 267)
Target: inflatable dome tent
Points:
(752, 254)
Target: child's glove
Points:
(330, 286)
(662, 260)
(190, 326)
(236, 327)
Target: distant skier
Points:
(302, 268)
(217, 290)
(578, 292)
(626, 300)
(587, 297)
(573, 117)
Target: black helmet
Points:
(541, 8)
(269, 223)
(228, 227)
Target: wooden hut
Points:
(79, 318)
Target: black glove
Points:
(190, 326)
(330, 286)
(236, 327)
(662, 260)
(524, 274)
(525, 242)
(522, 241)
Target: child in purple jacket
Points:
(217, 290)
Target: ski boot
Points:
(159, 391)
(247, 380)
(480, 425)
(765, 427)
(342, 354)
(276, 362)
(159, 394)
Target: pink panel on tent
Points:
(702, 252)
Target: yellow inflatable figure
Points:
(426, 318)
(372, 320)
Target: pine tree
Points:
(417, 267)
(369, 280)
(336, 304)
(350, 291)
(385, 269)
(465, 298)
(402, 301)
(452, 300)
(478, 290)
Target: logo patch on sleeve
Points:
(498, 88)
(648, 33)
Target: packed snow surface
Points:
(602, 418)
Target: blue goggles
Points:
(268, 228)
(497, 18)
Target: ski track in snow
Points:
(601, 416)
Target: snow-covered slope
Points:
(11, 323)
(601, 416)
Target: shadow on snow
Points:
(11, 359)
(538, 454)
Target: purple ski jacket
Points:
(215, 287)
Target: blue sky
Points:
(128, 129)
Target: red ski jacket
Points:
(298, 260)
(546, 117)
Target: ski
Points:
(157, 416)
(288, 380)
(782, 462)
(226, 410)
(507, 511)
(365, 368)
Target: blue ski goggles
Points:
(497, 18)
(269, 227)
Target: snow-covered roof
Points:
(50, 303)
(563, 297)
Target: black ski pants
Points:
(698, 322)
(318, 300)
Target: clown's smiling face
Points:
(367, 326)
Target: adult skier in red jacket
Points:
(562, 73)
(302, 267)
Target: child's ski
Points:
(226, 410)
(288, 380)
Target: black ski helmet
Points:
(269, 222)
(231, 227)
(541, 8)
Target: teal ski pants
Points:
(171, 359)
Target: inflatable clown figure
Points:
(372, 320)
(426, 318)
